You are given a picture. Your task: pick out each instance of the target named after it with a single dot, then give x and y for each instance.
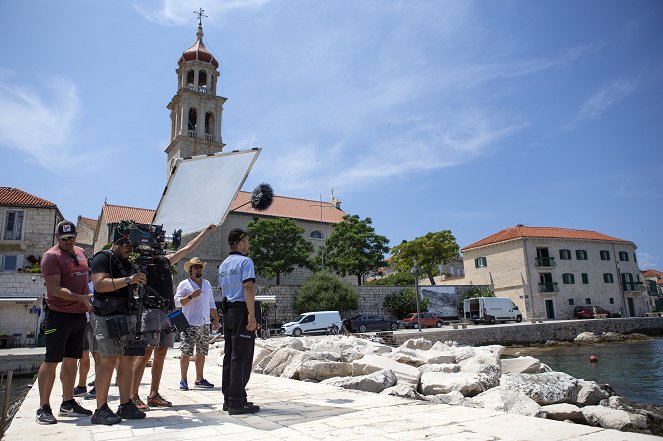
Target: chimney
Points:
(335, 202)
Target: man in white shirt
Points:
(196, 298)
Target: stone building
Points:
(547, 272)
(28, 224)
(85, 228)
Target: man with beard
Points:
(155, 326)
(194, 295)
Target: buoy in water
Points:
(593, 359)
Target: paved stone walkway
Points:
(294, 410)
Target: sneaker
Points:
(91, 383)
(183, 385)
(91, 395)
(45, 415)
(72, 408)
(158, 401)
(225, 405)
(129, 411)
(204, 383)
(80, 391)
(105, 416)
(140, 404)
(243, 410)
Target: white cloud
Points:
(180, 12)
(648, 261)
(42, 126)
(602, 100)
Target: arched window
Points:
(202, 78)
(209, 123)
(190, 75)
(193, 120)
(316, 235)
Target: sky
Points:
(422, 115)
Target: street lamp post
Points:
(415, 271)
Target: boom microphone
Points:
(262, 197)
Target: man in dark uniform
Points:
(237, 282)
(65, 271)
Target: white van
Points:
(312, 322)
(491, 309)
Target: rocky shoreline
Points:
(448, 373)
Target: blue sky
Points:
(423, 115)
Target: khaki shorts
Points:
(155, 327)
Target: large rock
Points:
(405, 358)
(507, 400)
(590, 393)
(482, 357)
(259, 353)
(520, 365)
(488, 376)
(652, 412)
(545, 388)
(278, 361)
(435, 357)
(335, 344)
(373, 363)
(404, 391)
(292, 370)
(609, 418)
(446, 367)
(375, 382)
(319, 370)
(563, 412)
(453, 398)
(586, 338)
(417, 343)
(434, 383)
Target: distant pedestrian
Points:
(237, 281)
(65, 272)
(195, 297)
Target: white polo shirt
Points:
(198, 309)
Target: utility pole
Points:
(415, 271)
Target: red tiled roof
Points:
(116, 213)
(20, 198)
(652, 273)
(303, 209)
(545, 232)
(91, 223)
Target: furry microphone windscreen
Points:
(262, 197)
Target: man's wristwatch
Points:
(189, 297)
(127, 280)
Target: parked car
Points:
(427, 319)
(363, 323)
(319, 322)
(587, 311)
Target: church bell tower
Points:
(195, 110)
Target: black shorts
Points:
(65, 335)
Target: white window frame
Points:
(6, 219)
(20, 259)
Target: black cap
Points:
(65, 230)
(236, 235)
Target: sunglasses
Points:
(197, 266)
(67, 239)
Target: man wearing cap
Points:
(114, 327)
(237, 281)
(65, 272)
(194, 295)
(155, 325)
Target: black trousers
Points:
(238, 356)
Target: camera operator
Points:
(156, 329)
(114, 323)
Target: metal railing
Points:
(545, 261)
(633, 286)
(548, 287)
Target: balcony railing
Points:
(202, 89)
(633, 286)
(205, 136)
(548, 287)
(545, 262)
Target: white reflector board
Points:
(200, 190)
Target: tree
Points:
(324, 291)
(277, 246)
(404, 303)
(399, 278)
(475, 291)
(354, 248)
(431, 251)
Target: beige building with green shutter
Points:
(547, 272)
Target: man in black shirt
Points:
(154, 323)
(114, 278)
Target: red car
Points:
(427, 319)
(587, 311)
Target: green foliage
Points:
(354, 248)
(475, 291)
(324, 291)
(431, 250)
(404, 303)
(277, 246)
(399, 278)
